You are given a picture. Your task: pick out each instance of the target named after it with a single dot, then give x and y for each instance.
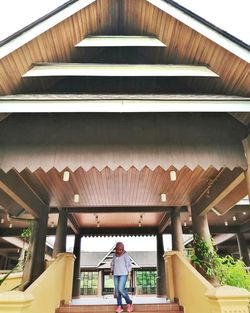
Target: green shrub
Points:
(232, 272)
(226, 270)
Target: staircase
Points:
(141, 308)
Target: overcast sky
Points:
(231, 16)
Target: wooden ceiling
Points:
(120, 195)
(125, 17)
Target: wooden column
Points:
(177, 235)
(61, 233)
(161, 277)
(35, 264)
(76, 292)
(240, 236)
(100, 284)
(200, 226)
(243, 250)
(246, 145)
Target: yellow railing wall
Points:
(12, 281)
(46, 293)
(196, 294)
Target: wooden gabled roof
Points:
(188, 41)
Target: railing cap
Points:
(16, 297)
(171, 253)
(226, 292)
(66, 254)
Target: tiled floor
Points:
(110, 300)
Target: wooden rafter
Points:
(226, 182)
(164, 222)
(73, 223)
(16, 188)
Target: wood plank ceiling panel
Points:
(119, 187)
(120, 219)
(124, 188)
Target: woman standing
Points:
(120, 269)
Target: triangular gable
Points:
(106, 260)
(55, 39)
(167, 6)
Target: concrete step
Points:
(138, 308)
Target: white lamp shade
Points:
(163, 197)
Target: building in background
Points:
(95, 269)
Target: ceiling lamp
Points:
(140, 220)
(163, 197)
(185, 224)
(2, 220)
(226, 223)
(10, 226)
(76, 198)
(234, 218)
(98, 223)
(244, 213)
(66, 175)
(173, 175)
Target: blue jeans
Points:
(120, 282)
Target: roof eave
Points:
(220, 38)
(124, 105)
(40, 26)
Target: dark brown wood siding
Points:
(121, 140)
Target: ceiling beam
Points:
(94, 231)
(232, 198)
(118, 70)
(16, 232)
(120, 41)
(223, 185)
(73, 223)
(241, 207)
(16, 242)
(6, 245)
(122, 209)
(213, 230)
(120, 231)
(164, 222)
(245, 227)
(13, 184)
(3, 116)
(177, 104)
(230, 243)
(221, 238)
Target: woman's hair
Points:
(119, 244)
